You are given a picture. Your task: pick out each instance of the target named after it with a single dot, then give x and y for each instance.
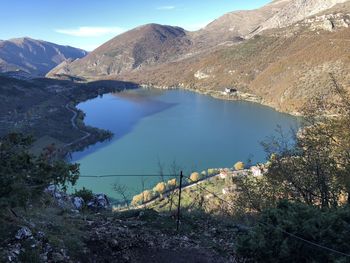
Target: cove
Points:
(154, 128)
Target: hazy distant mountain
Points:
(143, 46)
(35, 57)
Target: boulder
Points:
(23, 233)
(62, 198)
(51, 189)
(40, 235)
(78, 202)
(99, 201)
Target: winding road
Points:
(74, 124)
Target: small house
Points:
(230, 90)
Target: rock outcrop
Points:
(297, 10)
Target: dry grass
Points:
(284, 69)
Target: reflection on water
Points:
(151, 127)
(119, 113)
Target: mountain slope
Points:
(35, 57)
(153, 44)
(297, 10)
(284, 67)
(280, 62)
(235, 25)
(135, 49)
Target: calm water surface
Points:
(154, 127)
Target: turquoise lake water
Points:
(153, 127)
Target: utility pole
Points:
(179, 204)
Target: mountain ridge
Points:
(142, 46)
(297, 10)
(278, 64)
(283, 67)
(35, 57)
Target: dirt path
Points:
(74, 124)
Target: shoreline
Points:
(217, 94)
(89, 135)
(236, 96)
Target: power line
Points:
(126, 175)
(309, 242)
(221, 199)
(277, 228)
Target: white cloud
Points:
(166, 7)
(86, 31)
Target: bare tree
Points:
(161, 170)
(316, 169)
(122, 190)
(173, 170)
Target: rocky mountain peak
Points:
(296, 10)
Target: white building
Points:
(256, 171)
(230, 91)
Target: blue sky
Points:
(89, 23)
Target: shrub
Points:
(147, 195)
(84, 193)
(194, 177)
(239, 166)
(212, 171)
(172, 183)
(268, 241)
(24, 176)
(160, 188)
(137, 200)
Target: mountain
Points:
(143, 46)
(234, 26)
(154, 44)
(297, 10)
(283, 67)
(281, 54)
(34, 57)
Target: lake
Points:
(156, 130)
